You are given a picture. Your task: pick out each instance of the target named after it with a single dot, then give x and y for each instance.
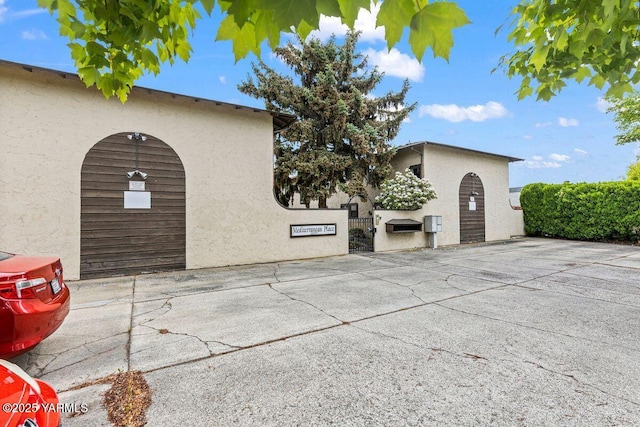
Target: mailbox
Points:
(403, 226)
(433, 224)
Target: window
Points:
(416, 170)
(353, 209)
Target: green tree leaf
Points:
(350, 10)
(244, 38)
(627, 117)
(265, 29)
(328, 7)
(392, 16)
(289, 13)
(433, 26)
(554, 39)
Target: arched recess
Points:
(472, 221)
(138, 232)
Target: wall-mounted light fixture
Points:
(137, 136)
(473, 174)
(474, 193)
(137, 172)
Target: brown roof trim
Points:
(281, 121)
(454, 147)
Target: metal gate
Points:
(361, 233)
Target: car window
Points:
(4, 255)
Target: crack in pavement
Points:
(413, 292)
(305, 302)
(102, 303)
(128, 346)
(41, 369)
(92, 354)
(534, 328)
(581, 383)
(205, 342)
(599, 278)
(166, 306)
(275, 273)
(454, 287)
(479, 357)
(422, 347)
(578, 294)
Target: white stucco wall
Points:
(385, 241)
(445, 167)
(48, 123)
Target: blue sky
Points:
(459, 103)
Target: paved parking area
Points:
(527, 332)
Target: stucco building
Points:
(473, 196)
(167, 182)
(65, 155)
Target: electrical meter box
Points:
(432, 224)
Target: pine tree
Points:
(341, 138)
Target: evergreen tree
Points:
(341, 138)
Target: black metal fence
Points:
(361, 233)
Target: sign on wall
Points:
(306, 230)
(136, 186)
(137, 200)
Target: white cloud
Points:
(329, 25)
(540, 164)
(565, 122)
(27, 13)
(395, 63)
(543, 124)
(528, 137)
(455, 113)
(34, 34)
(554, 161)
(602, 105)
(3, 10)
(6, 14)
(222, 79)
(581, 152)
(366, 23)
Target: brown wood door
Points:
(471, 209)
(122, 240)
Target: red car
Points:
(34, 301)
(26, 402)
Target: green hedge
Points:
(602, 211)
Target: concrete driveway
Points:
(528, 332)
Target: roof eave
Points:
(453, 147)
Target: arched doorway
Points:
(471, 198)
(132, 207)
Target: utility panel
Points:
(433, 224)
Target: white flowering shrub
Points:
(405, 192)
